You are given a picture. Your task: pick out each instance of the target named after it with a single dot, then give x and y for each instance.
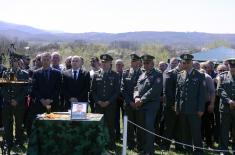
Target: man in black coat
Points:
(76, 83)
(46, 85)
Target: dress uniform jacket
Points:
(190, 99)
(172, 127)
(105, 86)
(149, 89)
(18, 93)
(129, 81)
(191, 92)
(170, 87)
(226, 90)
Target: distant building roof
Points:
(216, 54)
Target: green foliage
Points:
(157, 50)
(48, 137)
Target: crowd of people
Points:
(188, 101)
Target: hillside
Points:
(28, 33)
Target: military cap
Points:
(186, 57)
(135, 57)
(147, 57)
(106, 57)
(231, 62)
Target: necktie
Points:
(46, 74)
(75, 75)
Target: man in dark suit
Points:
(46, 84)
(76, 83)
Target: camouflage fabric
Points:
(53, 137)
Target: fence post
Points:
(124, 142)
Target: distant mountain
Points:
(171, 38)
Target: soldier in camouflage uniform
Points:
(130, 77)
(226, 92)
(147, 98)
(13, 106)
(190, 102)
(105, 89)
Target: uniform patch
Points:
(204, 83)
(158, 80)
(98, 79)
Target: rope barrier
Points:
(176, 142)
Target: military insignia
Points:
(204, 83)
(158, 80)
(145, 57)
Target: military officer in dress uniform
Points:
(104, 90)
(226, 92)
(190, 101)
(171, 119)
(129, 81)
(147, 98)
(13, 106)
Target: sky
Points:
(117, 16)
